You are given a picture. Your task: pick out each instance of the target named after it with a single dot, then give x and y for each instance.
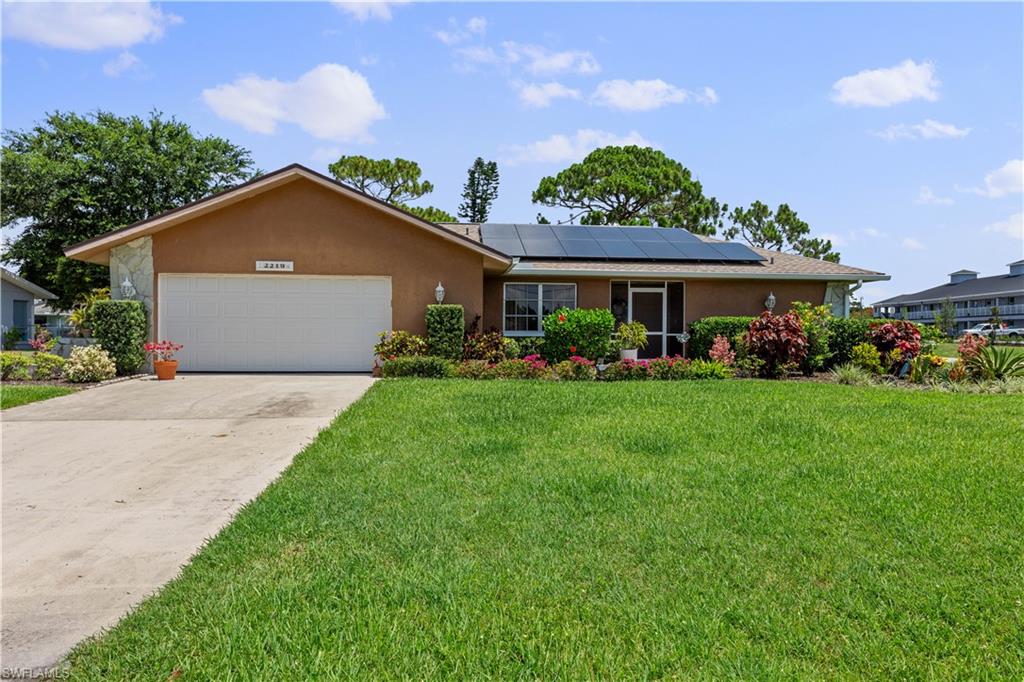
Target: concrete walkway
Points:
(107, 492)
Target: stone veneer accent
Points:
(135, 261)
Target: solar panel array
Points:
(585, 242)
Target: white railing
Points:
(973, 311)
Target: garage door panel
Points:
(280, 323)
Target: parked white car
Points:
(989, 329)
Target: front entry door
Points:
(648, 306)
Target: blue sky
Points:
(896, 130)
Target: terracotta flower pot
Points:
(165, 369)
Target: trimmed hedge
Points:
(845, 334)
(446, 325)
(120, 328)
(704, 331)
(428, 366)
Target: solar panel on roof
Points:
(622, 249)
(678, 235)
(732, 251)
(582, 248)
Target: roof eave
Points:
(527, 268)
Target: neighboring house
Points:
(17, 304)
(55, 321)
(294, 271)
(973, 296)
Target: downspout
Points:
(515, 262)
(849, 297)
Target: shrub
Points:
(632, 335)
(43, 342)
(11, 338)
(511, 347)
(81, 315)
(429, 366)
(576, 368)
(704, 331)
(530, 345)
(931, 332)
(48, 366)
(815, 321)
(120, 329)
(994, 363)
(531, 367)
(473, 369)
(897, 340)
(399, 344)
(778, 341)
(668, 369)
(583, 332)
(721, 351)
(15, 366)
(446, 325)
(489, 347)
(707, 369)
(89, 363)
(958, 372)
(852, 374)
(866, 357)
(844, 334)
(627, 370)
(970, 345)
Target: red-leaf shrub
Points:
(897, 340)
(721, 351)
(777, 340)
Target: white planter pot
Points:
(627, 353)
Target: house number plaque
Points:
(275, 266)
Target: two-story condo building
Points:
(974, 297)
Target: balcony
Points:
(974, 312)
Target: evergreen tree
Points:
(480, 191)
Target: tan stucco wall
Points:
(326, 233)
(703, 297)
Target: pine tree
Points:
(480, 191)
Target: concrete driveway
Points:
(107, 492)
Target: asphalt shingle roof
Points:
(997, 285)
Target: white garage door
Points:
(274, 323)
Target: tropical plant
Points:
(778, 341)
(970, 345)
(81, 315)
(852, 374)
(576, 368)
(995, 363)
(722, 352)
(399, 343)
(926, 367)
(89, 363)
(632, 335)
(584, 332)
(707, 369)
(866, 357)
(489, 346)
(816, 320)
(162, 351)
(898, 341)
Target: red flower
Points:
(572, 349)
(561, 317)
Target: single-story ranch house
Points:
(294, 271)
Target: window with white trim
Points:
(526, 304)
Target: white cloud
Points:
(85, 25)
(562, 148)
(928, 129)
(329, 102)
(646, 95)
(540, 60)
(872, 232)
(456, 33)
(326, 154)
(912, 244)
(837, 240)
(364, 10)
(885, 87)
(927, 197)
(540, 95)
(369, 60)
(122, 64)
(1008, 179)
(1013, 226)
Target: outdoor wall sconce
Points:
(127, 289)
(439, 293)
(769, 303)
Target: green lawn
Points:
(537, 530)
(12, 395)
(948, 350)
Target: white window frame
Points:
(540, 305)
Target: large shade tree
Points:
(779, 230)
(396, 181)
(74, 177)
(631, 186)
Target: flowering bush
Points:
(898, 341)
(926, 367)
(162, 351)
(667, 369)
(970, 345)
(89, 363)
(576, 368)
(866, 357)
(473, 369)
(584, 332)
(778, 341)
(721, 351)
(43, 342)
(489, 346)
(399, 344)
(627, 370)
(530, 367)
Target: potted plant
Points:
(162, 353)
(632, 336)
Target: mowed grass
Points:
(537, 530)
(12, 395)
(948, 350)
